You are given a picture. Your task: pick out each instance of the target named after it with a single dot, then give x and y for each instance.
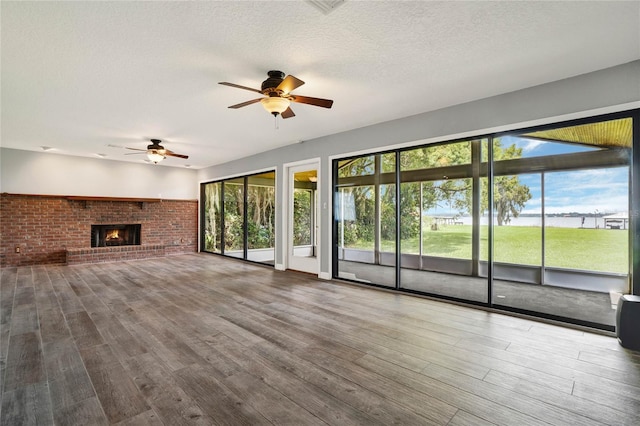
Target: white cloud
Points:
(610, 204)
(529, 145)
(584, 191)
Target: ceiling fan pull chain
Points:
(275, 121)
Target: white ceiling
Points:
(79, 76)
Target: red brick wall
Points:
(43, 227)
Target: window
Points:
(239, 217)
(535, 221)
(365, 219)
(551, 243)
(234, 217)
(261, 217)
(211, 199)
(439, 208)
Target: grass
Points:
(601, 250)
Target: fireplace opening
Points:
(115, 235)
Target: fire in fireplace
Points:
(115, 235)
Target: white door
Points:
(302, 229)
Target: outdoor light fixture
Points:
(156, 155)
(275, 104)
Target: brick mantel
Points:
(43, 227)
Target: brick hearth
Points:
(112, 254)
(57, 229)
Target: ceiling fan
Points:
(156, 152)
(278, 97)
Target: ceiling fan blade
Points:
(173, 154)
(325, 103)
(287, 113)
(289, 84)
(243, 104)
(135, 149)
(136, 153)
(224, 83)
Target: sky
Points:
(582, 191)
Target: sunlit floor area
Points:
(203, 339)
(588, 306)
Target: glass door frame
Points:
(487, 169)
(245, 231)
(309, 264)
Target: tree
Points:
(261, 216)
(509, 195)
(212, 216)
(233, 215)
(362, 228)
(302, 217)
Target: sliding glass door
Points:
(535, 221)
(365, 219)
(261, 217)
(238, 217)
(561, 235)
(439, 207)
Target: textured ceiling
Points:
(80, 76)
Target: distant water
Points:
(554, 221)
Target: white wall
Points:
(28, 172)
(609, 90)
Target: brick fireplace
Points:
(37, 229)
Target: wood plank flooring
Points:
(200, 339)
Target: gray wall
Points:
(612, 89)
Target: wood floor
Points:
(200, 339)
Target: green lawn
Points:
(589, 249)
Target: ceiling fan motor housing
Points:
(155, 144)
(274, 80)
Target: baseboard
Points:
(324, 276)
(279, 267)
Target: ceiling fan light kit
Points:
(156, 155)
(275, 104)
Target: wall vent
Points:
(326, 6)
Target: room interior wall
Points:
(608, 90)
(31, 172)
